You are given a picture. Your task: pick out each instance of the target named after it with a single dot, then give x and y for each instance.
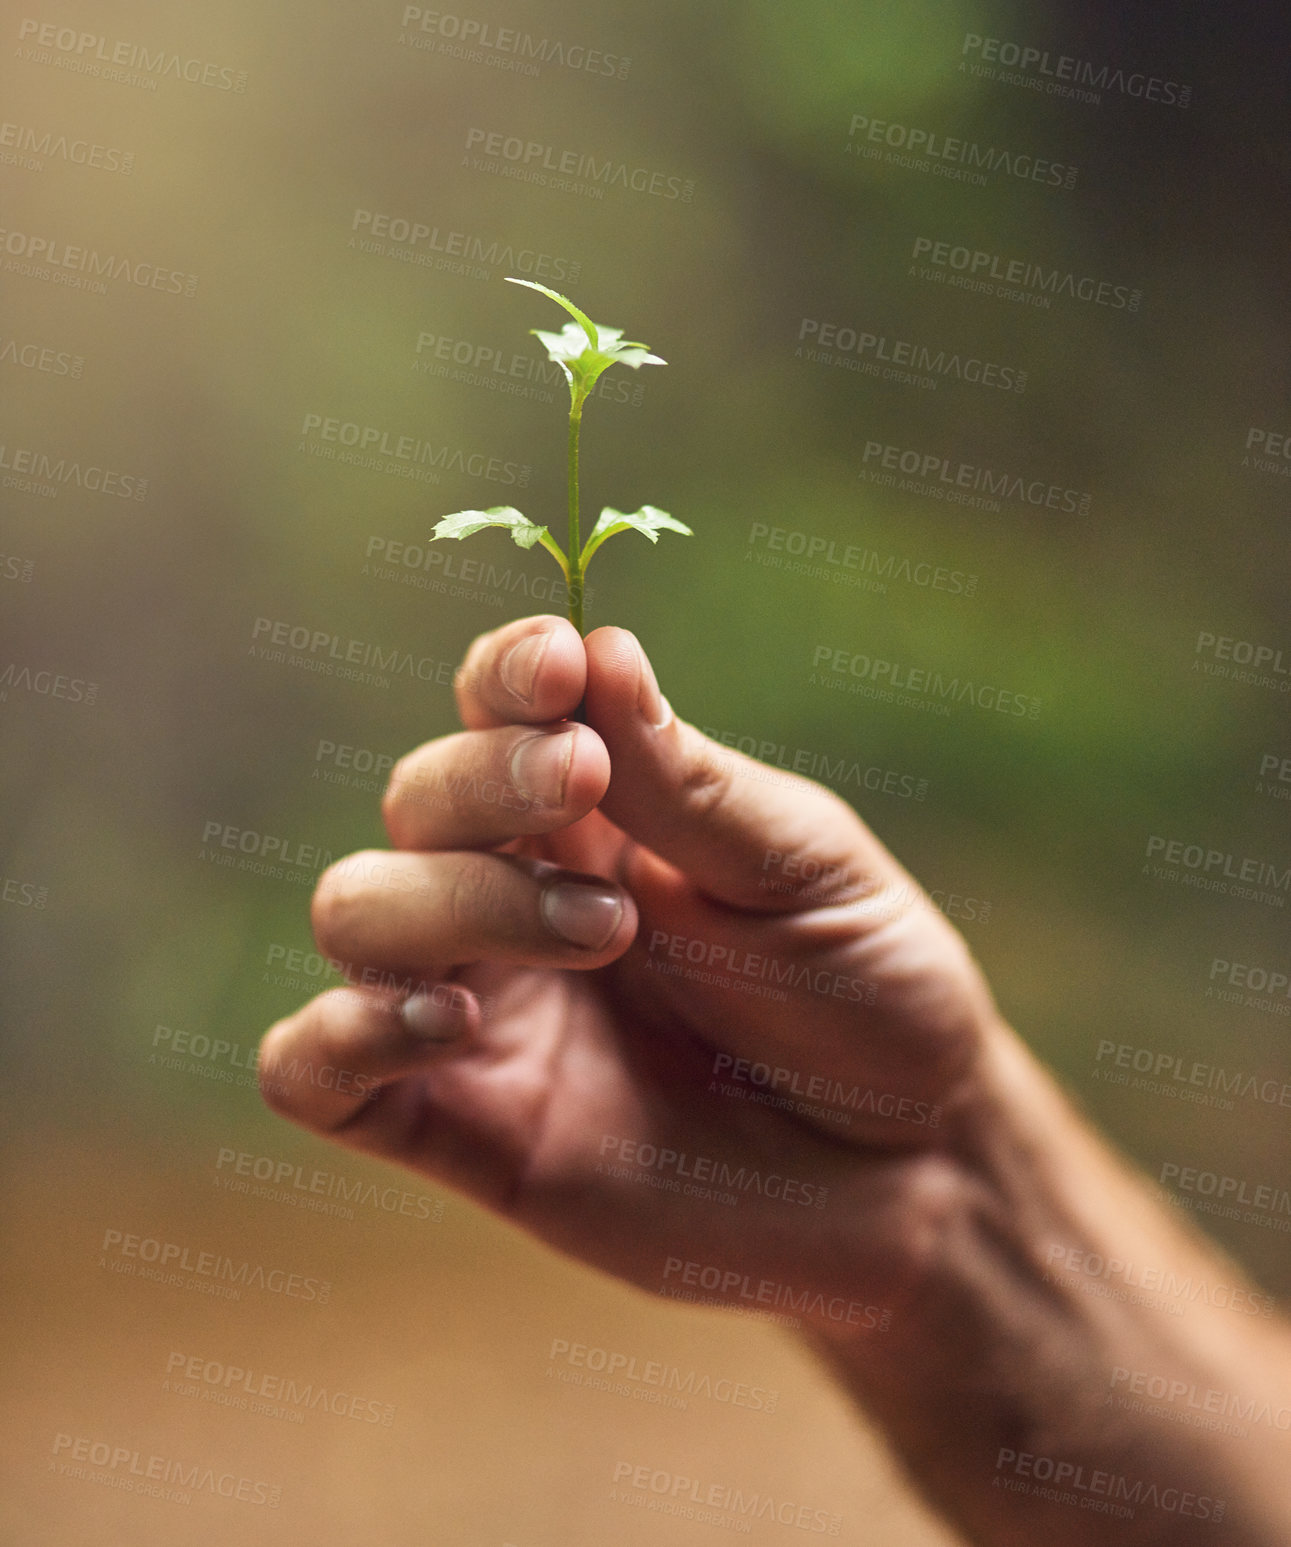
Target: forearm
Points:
(1046, 1285)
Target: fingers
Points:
(526, 672)
(485, 787)
(325, 1066)
(744, 834)
(433, 912)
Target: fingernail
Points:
(540, 766)
(437, 1016)
(650, 701)
(582, 913)
(519, 666)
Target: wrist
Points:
(997, 1377)
(977, 1177)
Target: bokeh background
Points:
(124, 940)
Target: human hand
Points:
(605, 919)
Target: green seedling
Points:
(583, 350)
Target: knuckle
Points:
(473, 896)
(401, 795)
(339, 895)
(466, 681)
(420, 790)
(478, 664)
(278, 1092)
(705, 784)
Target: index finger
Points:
(524, 673)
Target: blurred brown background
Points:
(222, 169)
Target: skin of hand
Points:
(602, 920)
(585, 939)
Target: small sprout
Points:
(584, 351)
(467, 522)
(649, 521)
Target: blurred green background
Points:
(1095, 614)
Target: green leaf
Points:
(568, 345)
(649, 521)
(463, 523)
(583, 349)
(588, 326)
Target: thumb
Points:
(743, 833)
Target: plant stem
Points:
(575, 537)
